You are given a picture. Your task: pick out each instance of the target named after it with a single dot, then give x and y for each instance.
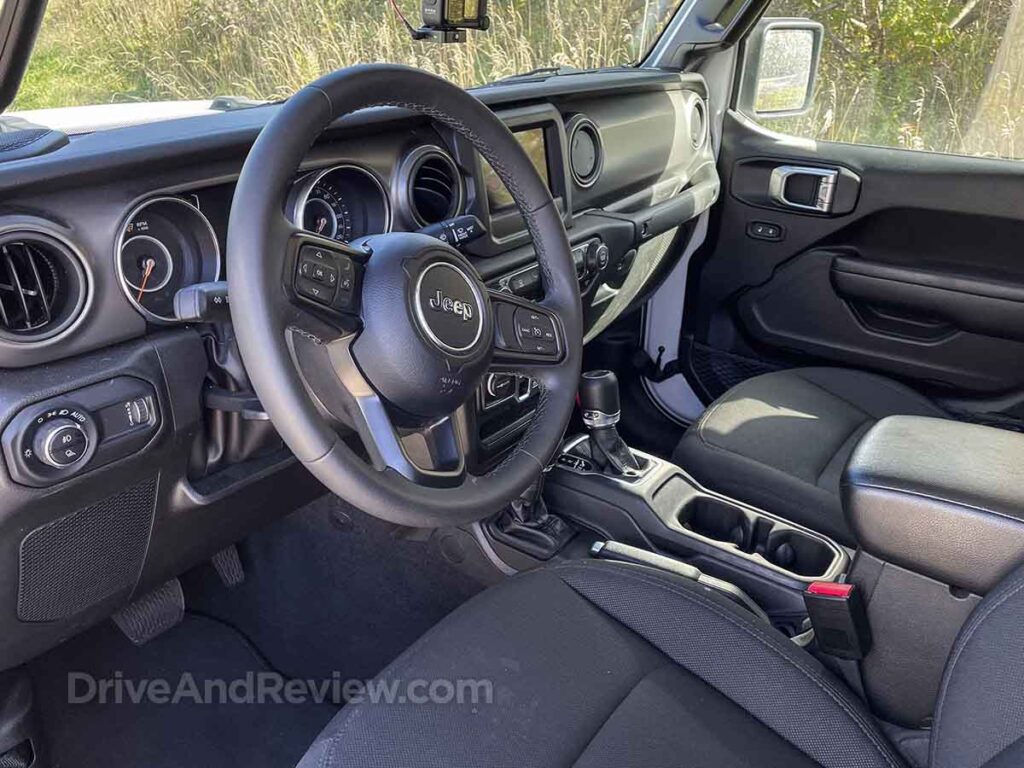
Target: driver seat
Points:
(596, 663)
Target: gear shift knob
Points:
(599, 401)
(599, 398)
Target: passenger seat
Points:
(780, 441)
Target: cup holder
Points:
(798, 553)
(714, 519)
(756, 535)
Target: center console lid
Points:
(941, 498)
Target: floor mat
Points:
(330, 595)
(331, 591)
(84, 729)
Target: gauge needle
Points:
(148, 265)
(321, 225)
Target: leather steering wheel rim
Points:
(264, 314)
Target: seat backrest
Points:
(979, 719)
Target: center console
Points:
(639, 500)
(661, 508)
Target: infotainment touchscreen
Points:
(532, 140)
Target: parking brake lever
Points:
(624, 553)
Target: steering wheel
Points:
(390, 336)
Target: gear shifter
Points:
(599, 401)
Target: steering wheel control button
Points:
(61, 443)
(449, 307)
(324, 274)
(536, 332)
(316, 291)
(327, 278)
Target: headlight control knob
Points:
(60, 443)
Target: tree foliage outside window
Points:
(934, 75)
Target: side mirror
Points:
(780, 67)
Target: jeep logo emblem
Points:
(449, 307)
(441, 303)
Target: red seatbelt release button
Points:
(839, 619)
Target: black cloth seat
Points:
(598, 664)
(780, 441)
(605, 664)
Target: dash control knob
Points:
(61, 443)
(598, 256)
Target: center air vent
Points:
(42, 287)
(432, 186)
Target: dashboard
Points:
(170, 457)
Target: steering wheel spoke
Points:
(526, 333)
(432, 454)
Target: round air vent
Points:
(586, 151)
(698, 124)
(431, 185)
(43, 287)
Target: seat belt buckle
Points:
(839, 618)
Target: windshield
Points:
(93, 52)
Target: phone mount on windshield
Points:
(446, 21)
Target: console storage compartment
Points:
(940, 498)
(938, 510)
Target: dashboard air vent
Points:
(698, 124)
(434, 186)
(586, 151)
(42, 287)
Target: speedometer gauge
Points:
(327, 213)
(165, 245)
(341, 203)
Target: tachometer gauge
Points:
(165, 245)
(341, 203)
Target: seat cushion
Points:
(780, 441)
(604, 664)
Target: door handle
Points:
(822, 199)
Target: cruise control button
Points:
(540, 347)
(536, 332)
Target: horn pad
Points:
(428, 328)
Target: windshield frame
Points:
(20, 21)
(25, 28)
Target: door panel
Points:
(915, 269)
